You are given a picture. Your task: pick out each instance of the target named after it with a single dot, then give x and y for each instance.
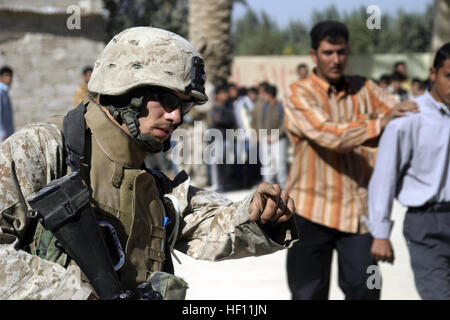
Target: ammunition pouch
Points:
(170, 286)
(63, 207)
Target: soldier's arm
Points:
(30, 159)
(215, 228)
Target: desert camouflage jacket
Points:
(212, 227)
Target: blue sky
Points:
(282, 11)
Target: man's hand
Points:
(399, 110)
(270, 203)
(382, 250)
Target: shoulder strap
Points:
(74, 129)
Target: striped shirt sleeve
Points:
(382, 101)
(306, 118)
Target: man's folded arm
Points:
(305, 118)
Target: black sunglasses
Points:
(170, 101)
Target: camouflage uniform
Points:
(212, 227)
(33, 266)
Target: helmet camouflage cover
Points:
(147, 56)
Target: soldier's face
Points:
(157, 121)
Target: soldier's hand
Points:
(399, 110)
(382, 250)
(270, 203)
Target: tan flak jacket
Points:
(211, 228)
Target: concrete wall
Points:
(45, 55)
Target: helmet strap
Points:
(129, 115)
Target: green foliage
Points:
(296, 38)
(258, 34)
(167, 14)
(255, 34)
(330, 13)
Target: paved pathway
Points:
(264, 278)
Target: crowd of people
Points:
(251, 110)
(400, 85)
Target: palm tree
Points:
(441, 29)
(209, 31)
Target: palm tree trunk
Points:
(441, 28)
(209, 32)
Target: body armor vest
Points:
(123, 194)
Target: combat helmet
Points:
(146, 56)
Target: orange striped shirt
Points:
(334, 135)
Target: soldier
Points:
(59, 178)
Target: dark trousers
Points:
(428, 237)
(309, 263)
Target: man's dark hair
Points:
(253, 89)
(264, 85)
(399, 63)
(271, 90)
(328, 30)
(231, 85)
(397, 76)
(302, 65)
(222, 88)
(87, 69)
(416, 80)
(6, 69)
(242, 91)
(441, 55)
(386, 78)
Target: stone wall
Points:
(47, 57)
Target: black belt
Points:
(431, 207)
